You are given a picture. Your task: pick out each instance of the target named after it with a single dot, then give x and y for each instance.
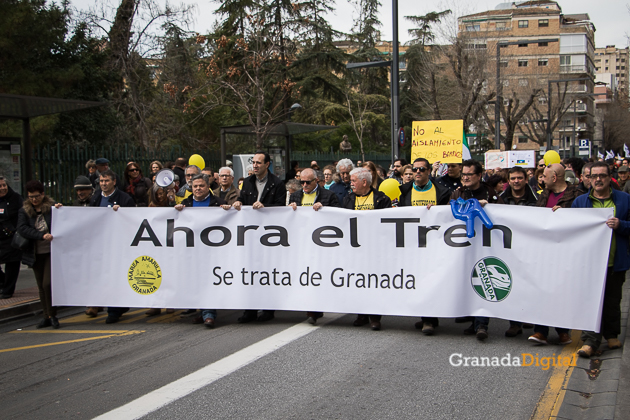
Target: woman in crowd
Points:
(376, 180)
(407, 174)
(156, 166)
(10, 205)
(35, 224)
(136, 185)
(329, 172)
(540, 185)
(496, 182)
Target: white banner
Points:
(405, 261)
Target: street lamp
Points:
(497, 109)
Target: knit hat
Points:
(82, 183)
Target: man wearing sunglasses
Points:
(423, 191)
(312, 195)
(602, 195)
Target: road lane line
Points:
(63, 331)
(553, 395)
(205, 376)
(70, 341)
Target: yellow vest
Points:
(364, 203)
(423, 198)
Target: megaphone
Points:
(164, 178)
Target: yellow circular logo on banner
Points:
(145, 275)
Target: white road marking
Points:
(161, 397)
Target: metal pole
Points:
(549, 140)
(27, 152)
(574, 118)
(394, 85)
(497, 112)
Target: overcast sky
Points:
(610, 17)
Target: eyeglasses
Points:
(421, 169)
(35, 197)
(541, 165)
(224, 176)
(468, 175)
(598, 176)
(134, 170)
(306, 182)
(189, 175)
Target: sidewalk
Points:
(25, 301)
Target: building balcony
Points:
(575, 68)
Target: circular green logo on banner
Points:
(491, 279)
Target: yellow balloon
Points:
(551, 157)
(391, 188)
(197, 160)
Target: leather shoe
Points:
(482, 333)
(513, 331)
(585, 351)
(198, 320)
(375, 325)
(246, 318)
(54, 321)
(112, 319)
(470, 330)
(153, 311)
(361, 320)
(266, 316)
(311, 320)
(209, 322)
(614, 343)
(427, 328)
(44, 323)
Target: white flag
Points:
(610, 154)
(600, 155)
(626, 151)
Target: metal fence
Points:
(57, 167)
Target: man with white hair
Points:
(365, 197)
(227, 190)
(342, 188)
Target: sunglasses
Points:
(133, 170)
(306, 182)
(421, 169)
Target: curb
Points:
(20, 311)
(592, 389)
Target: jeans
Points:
(481, 321)
(209, 313)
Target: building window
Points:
(472, 28)
(522, 82)
(523, 24)
(503, 64)
(565, 60)
(543, 62)
(522, 45)
(623, 67)
(522, 139)
(543, 23)
(522, 63)
(500, 25)
(543, 44)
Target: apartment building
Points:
(614, 61)
(543, 45)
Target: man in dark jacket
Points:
(557, 194)
(602, 195)
(473, 187)
(312, 195)
(423, 191)
(226, 189)
(364, 197)
(426, 190)
(342, 188)
(262, 189)
(109, 195)
(518, 192)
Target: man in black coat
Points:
(262, 189)
(314, 196)
(10, 205)
(110, 196)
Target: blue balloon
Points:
(467, 210)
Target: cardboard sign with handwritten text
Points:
(437, 140)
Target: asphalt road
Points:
(88, 368)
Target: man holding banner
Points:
(423, 192)
(602, 196)
(364, 197)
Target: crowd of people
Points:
(572, 183)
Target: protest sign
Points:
(437, 140)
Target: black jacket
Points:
(341, 189)
(10, 206)
(327, 198)
(141, 192)
(214, 201)
(381, 201)
(118, 197)
(274, 194)
(451, 183)
(529, 199)
(442, 194)
(484, 192)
